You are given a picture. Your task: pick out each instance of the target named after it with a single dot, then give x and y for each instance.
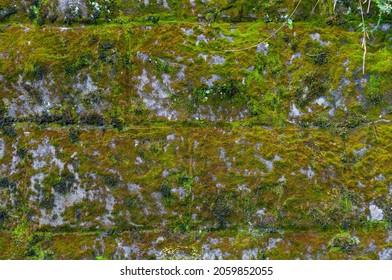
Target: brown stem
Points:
(314, 7)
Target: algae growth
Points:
(194, 130)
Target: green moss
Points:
(61, 184)
(311, 87)
(344, 242)
(209, 179)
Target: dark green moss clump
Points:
(6, 12)
(37, 247)
(312, 86)
(94, 119)
(73, 134)
(47, 198)
(344, 242)
(6, 183)
(112, 180)
(117, 123)
(221, 210)
(3, 216)
(165, 191)
(228, 92)
(64, 183)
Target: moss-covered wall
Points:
(184, 129)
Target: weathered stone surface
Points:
(193, 130)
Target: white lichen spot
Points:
(201, 38)
(308, 172)
(158, 197)
(87, 85)
(139, 161)
(321, 102)
(165, 4)
(272, 243)
(203, 56)
(15, 158)
(2, 148)
(294, 56)
(156, 99)
(360, 184)
(217, 60)
(211, 254)
(170, 137)
(38, 164)
(210, 82)
(58, 163)
(36, 180)
(229, 38)
(250, 254)
(110, 201)
(263, 47)
(144, 57)
(124, 252)
(385, 254)
(187, 32)
(380, 178)
(294, 111)
(316, 37)
(181, 73)
(376, 214)
(268, 163)
(243, 188)
(261, 212)
(181, 192)
(282, 179)
(133, 187)
(43, 150)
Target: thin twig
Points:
(363, 39)
(368, 9)
(314, 7)
(379, 121)
(135, 225)
(318, 54)
(269, 37)
(375, 132)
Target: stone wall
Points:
(194, 130)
